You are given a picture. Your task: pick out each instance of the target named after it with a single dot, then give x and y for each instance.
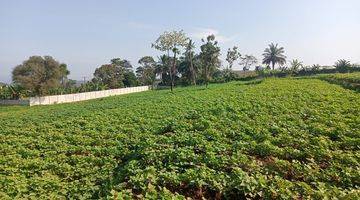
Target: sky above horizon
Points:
(86, 34)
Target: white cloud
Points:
(202, 33)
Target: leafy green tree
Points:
(315, 67)
(117, 74)
(146, 72)
(129, 75)
(64, 73)
(342, 65)
(130, 79)
(232, 55)
(171, 41)
(162, 69)
(210, 52)
(274, 55)
(110, 75)
(247, 61)
(39, 74)
(13, 91)
(295, 65)
(185, 73)
(122, 63)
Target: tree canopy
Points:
(39, 74)
(210, 52)
(146, 72)
(171, 41)
(179, 64)
(274, 55)
(113, 75)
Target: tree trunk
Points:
(230, 72)
(273, 65)
(171, 81)
(192, 71)
(206, 75)
(170, 70)
(173, 71)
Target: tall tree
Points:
(64, 72)
(110, 75)
(210, 52)
(232, 55)
(247, 61)
(274, 55)
(295, 65)
(129, 75)
(130, 79)
(342, 65)
(189, 53)
(171, 41)
(38, 74)
(146, 71)
(162, 68)
(315, 67)
(122, 63)
(117, 74)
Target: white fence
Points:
(67, 98)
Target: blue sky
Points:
(86, 34)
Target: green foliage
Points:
(347, 80)
(274, 55)
(146, 72)
(343, 65)
(114, 75)
(275, 139)
(210, 52)
(110, 75)
(295, 66)
(232, 55)
(189, 62)
(40, 74)
(13, 91)
(130, 79)
(171, 41)
(247, 61)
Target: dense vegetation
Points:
(179, 64)
(348, 80)
(274, 139)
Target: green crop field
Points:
(271, 139)
(347, 80)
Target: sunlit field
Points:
(271, 138)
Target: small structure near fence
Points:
(68, 98)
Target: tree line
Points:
(179, 64)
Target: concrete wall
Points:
(68, 98)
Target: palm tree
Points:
(274, 55)
(161, 67)
(315, 67)
(189, 53)
(64, 73)
(295, 65)
(342, 65)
